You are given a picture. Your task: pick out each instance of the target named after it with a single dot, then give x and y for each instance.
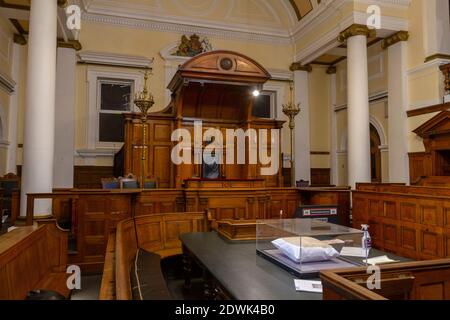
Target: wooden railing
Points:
(91, 215)
(31, 258)
(423, 280)
(413, 222)
(153, 233)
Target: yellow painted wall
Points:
(6, 56)
(319, 104)
(425, 81)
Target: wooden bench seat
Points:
(158, 234)
(33, 258)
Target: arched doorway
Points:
(375, 155)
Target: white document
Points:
(334, 241)
(354, 252)
(308, 286)
(380, 260)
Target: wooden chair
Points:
(110, 183)
(129, 182)
(151, 183)
(302, 184)
(9, 183)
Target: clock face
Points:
(226, 64)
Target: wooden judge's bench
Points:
(214, 89)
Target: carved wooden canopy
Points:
(225, 67)
(436, 132)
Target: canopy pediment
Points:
(226, 67)
(438, 125)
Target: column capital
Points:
(71, 44)
(395, 38)
(331, 70)
(356, 30)
(297, 66)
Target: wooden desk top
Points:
(244, 274)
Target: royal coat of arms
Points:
(192, 46)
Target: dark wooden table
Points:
(235, 271)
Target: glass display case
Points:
(304, 247)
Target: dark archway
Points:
(375, 155)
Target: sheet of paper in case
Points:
(308, 286)
(353, 252)
(380, 260)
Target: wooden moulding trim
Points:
(427, 110)
(320, 153)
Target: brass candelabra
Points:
(291, 110)
(144, 101)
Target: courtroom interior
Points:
(224, 149)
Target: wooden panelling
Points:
(320, 177)
(408, 212)
(94, 214)
(89, 177)
(158, 233)
(428, 280)
(327, 196)
(414, 220)
(33, 258)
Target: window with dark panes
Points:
(115, 99)
(264, 105)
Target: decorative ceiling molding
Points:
(261, 12)
(199, 9)
(278, 74)
(330, 40)
(275, 36)
(103, 58)
(7, 83)
(152, 17)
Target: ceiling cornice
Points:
(212, 30)
(142, 19)
(104, 58)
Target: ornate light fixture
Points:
(144, 101)
(291, 110)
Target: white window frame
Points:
(94, 78)
(279, 90)
(101, 81)
(273, 102)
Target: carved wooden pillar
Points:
(446, 71)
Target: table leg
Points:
(187, 269)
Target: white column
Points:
(358, 111)
(333, 129)
(11, 164)
(37, 176)
(65, 118)
(398, 105)
(302, 128)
